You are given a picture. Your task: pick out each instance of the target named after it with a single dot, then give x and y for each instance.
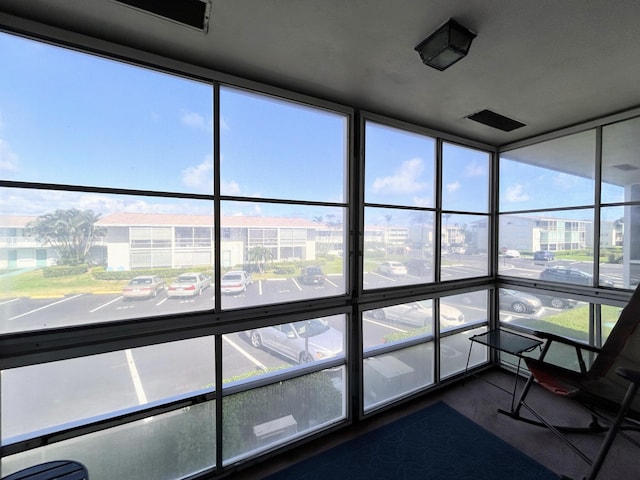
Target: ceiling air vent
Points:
(495, 120)
(192, 13)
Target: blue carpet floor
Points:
(435, 443)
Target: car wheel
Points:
(154, 294)
(305, 357)
(200, 291)
(557, 302)
(256, 340)
(378, 314)
(519, 307)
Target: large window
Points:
(219, 268)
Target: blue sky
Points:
(71, 118)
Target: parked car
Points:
(418, 266)
(144, 286)
(235, 281)
(572, 275)
(543, 256)
(557, 302)
(418, 314)
(303, 342)
(519, 302)
(511, 253)
(394, 269)
(311, 276)
(189, 285)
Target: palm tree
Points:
(71, 233)
(260, 256)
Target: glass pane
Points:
(262, 351)
(396, 323)
(283, 253)
(164, 447)
(537, 245)
(609, 315)
(465, 179)
(455, 349)
(554, 174)
(619, 246)
(547, 311)
(463, 309)
(465, 241)
(56, 395)
(125, 263)
(620, 162)
(279, 413)
(269, 147)
(394, 375)
(101, 123)
(399, 167)
(398, 247)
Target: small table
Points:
(508, 342)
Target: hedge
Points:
(64, 271)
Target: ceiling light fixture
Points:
(446, 45)
(192, 13)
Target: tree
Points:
(260, 256)
(70, 232)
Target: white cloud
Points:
(195, 120)
(229, 188)
(453, 187)
(515, 193)
(474, 170)
(423, 201)
(8, 159)
(404, 180)
(200, 176)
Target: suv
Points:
(544, 255)
(418, 266)
(311, 276)
(571, 275)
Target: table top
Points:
(506, 341)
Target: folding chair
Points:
(607, 389)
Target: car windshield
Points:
(232, 277)
(313, 271)
(140, 281)
(310, 328)
(186, 280)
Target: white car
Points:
(189, 284)
(512, 254)
(235, 281)
(394, 269)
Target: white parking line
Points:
(384, 325)
(331, 283)
(9, 301)
(46, 306)
(137, 383)
(296, 283)
(105, 304)
(246, 354)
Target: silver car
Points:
(302, 342)
(189, 285)
(418, 314)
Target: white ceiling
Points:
(547, 63)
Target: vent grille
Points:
(193, 13)
(495, 120)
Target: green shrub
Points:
(101, 273)
(311, 400)
(64, 271)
